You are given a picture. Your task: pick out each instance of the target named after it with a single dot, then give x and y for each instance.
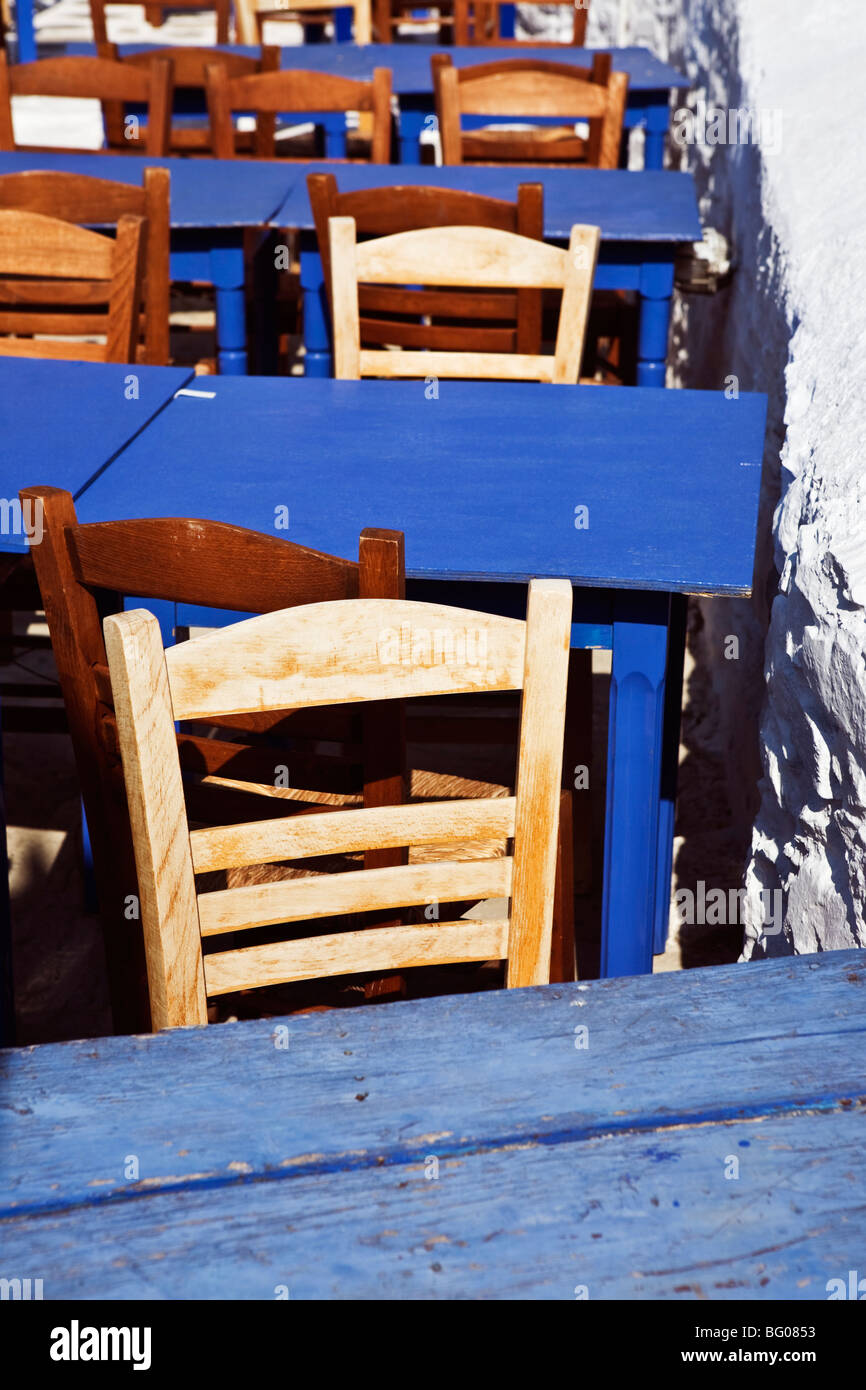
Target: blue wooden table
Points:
(650, 81)
(692, 1137)
(644, 218)
(212, 203)
(487, 481)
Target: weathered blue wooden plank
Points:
(652, 205)
(61, 422)
(205, 193)
(625, 1216)
(484, 478)
(360, 1089)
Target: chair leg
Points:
(562, 950)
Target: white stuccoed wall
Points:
(793, 324)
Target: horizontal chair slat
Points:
(345, 832)
(23, 322)
(557, 95)
(54, 292)
(490, 366)
(364, 890)
(485, 256)
(331, 654)
(346, 953)
(69, 352)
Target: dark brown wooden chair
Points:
(93, 202)
(478, 22)
(298, 92)
(447, 320)
(59, 279)
(83, 571)
(155, 15)
(188, 65)
(523, 88)
(391, 15)
(98, 79)
(252, 15)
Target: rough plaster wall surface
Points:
(790, 324)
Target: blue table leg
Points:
(413, 120)
(7, 992)
(26, 33)
(657, 106)
(637, 697)
(317, 320)
(679, 604)
(506, 21)
(227, 276)
(656, 290)
(343, 16)
(335, 134)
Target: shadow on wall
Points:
(736, 340)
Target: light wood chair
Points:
(461, 256)
(95, 78)
(297, 92)
(338, 653)
(188, 66)
(523, 88)
(252, 15)
(450, 320)
(91, 202)
(479, 22)
(53, 275)
(155, 15)
(228, 764)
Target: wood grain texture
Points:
(350, 953)
(336, 895)
(541, 1146)
(157, 814)
(380, 827)
(539, 773)
(331, 653)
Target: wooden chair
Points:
(155, 15)
(524, 87)
(95, 78)
(188, 65)
(338, 653)
(56, 278)
(478, 22)
(450, 320)
(93, 202)
(391, 15)
(297, 92)
(252, 15)
(83, 571)
(482, 257)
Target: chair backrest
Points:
(479, 256)
(189, 67)
(97, 78)
(83, 571)
(93, 202)
(389, 15)
(53, 274)
(301, 92)
(479, 22)
(498, 321)
(154, 14)
(252, 14)
(339, 653)
(527, 87)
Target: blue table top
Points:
(628, 206)
(483, 481)
(410, 62)
(61, 422)
(204, 192)
(355, 1154)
